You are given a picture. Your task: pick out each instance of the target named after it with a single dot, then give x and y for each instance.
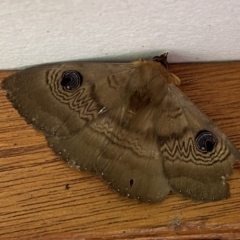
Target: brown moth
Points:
(129, 123)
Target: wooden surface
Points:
(42, 198)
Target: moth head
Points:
(162, 59)
(205, 141)
(71, 80)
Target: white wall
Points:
(34, 31)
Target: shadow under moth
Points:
(130, 123)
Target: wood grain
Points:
(42, 198)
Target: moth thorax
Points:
(138, 101)
(157, 90)
(153, 81)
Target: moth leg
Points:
(175, 80)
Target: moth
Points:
(128, 122)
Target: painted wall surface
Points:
(39, 31)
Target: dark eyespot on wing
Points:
(71, 80)
(205, 141)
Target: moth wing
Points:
(39, 95)
(90, 126)
(116, 146)
(191, 172)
